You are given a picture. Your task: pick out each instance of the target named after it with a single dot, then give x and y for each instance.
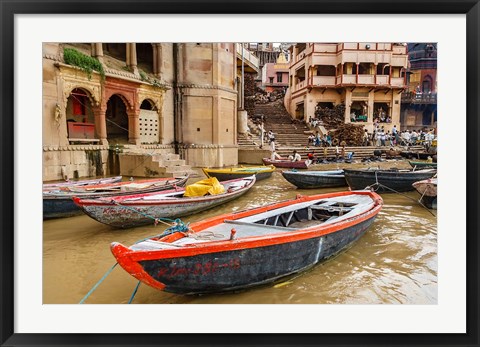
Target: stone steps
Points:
(158, 165)
(359, 151)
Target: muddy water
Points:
(395, 262)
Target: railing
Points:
(420, 98)
(397, 82)
(324, 80)
(247, 55)
(366, 79)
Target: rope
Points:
(176, 224)
(393, 190)
(97, 284)
(134, 292)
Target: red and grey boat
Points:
(286, 164)
(76, 183)
(140, 209)
(58, 203)
(428, 191)
(251, 247)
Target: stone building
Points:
(419, 101)
(367, 77)
(176, 100)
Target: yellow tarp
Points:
(208, 186)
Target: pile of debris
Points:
(333, 119)
(351, 134)
(263, 97)
(249, 80)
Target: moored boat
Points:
(428, 191)
(422, 164)
(252, 247)
(69, 183)
(58, 203)
(391, 180)
(140, 209)
(417, 155)
(286, 164)
(260, 172)
(315, 179)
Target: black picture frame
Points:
(7, 175)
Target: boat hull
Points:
(286, 164)
(309, 180)
(132, 215)
(422, 164)
(60, 208)
(395, 180)
(61, 205)
(245, 267)
(428, 191)
(226, 176)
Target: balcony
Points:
(397, 82)
(366, 79)
(419, 98)
(248, 57)
(324, 81)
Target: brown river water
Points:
(395, 262)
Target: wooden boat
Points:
(315, 179)
(416, 155)
(260, 172)
(392, 180)
(58, 185)
(58, 203)
(422, 164)
(140, 209)
(428, 191)
(286, 164)
(252, 247)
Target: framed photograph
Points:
(419, 289)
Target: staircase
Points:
(288, 133)
(153, 165)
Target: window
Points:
(271, 79)
(279, 77)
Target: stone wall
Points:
(74, 161)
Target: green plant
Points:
(143, 76)
(86, 63)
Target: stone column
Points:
(98, 51)
(348, 102)
(356, 78)
(132, 57)
(134, 126)
(371, 101)
(101, 124)
(157, 59)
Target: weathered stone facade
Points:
(181, 96)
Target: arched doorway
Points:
(116, 120)
(427, 84)
(79, 116)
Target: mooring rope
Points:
(378, 184)
(97, 284)
(134, 292)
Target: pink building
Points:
(275, 75)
